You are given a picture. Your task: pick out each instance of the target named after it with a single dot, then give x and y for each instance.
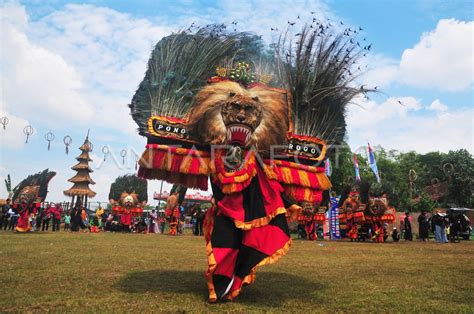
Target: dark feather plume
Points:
(317, 71)
(40, 179)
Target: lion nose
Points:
(241, 118)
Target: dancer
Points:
(230, 126)
(28, 195)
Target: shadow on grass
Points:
(271, 289)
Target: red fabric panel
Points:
(126, 218)
(225, 259)
(271, 192)
(231, 206)
(267, 239)
(158, 159)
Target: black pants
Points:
(2, 219)
(56, 224)
(199, 228)
(13, 222)
(45, 225)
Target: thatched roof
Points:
(81, 177)
(82, 165)
(84, 156)
(79, 189)
(87, 146)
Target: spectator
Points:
(56, 212)
(13, 214)
(439, 222)
(408, 236)
(39, 217)
(4, 214)
(33, 221)
(395, 235)
(199, 216)
(162, 223)
(423, 226)
(47, 214)
(67, 221)
(153, 219)
(455, 228)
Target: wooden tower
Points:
(80, 189)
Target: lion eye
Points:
(231, 94)
(255, 98)
(235, 106)
(248, 109)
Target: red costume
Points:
(227, 131)
(25, 211)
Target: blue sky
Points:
(72, 66)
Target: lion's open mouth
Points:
(238, 134)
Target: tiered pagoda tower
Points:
(80, 189)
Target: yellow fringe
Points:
(324, 183)
(259, 222)
(271, 174)
(304, 180)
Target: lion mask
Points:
(229, 113)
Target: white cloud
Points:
(74, 65)
(13, 14)
(438, 106)
(442, 59)
(35, 80)
(381, 71)
(400, 126)
(109, 49)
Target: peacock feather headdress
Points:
(38, 184)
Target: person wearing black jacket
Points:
(408, 236)
(423, 226)
(4, 214)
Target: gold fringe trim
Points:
(259, 222)
(271, 174)
(212, 264)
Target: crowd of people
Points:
(50, 215)
(444, 227)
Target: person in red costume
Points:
(126, 219)
(27, 196)
(56, 212)
(24, 211)
(172, 213)
(126, 208)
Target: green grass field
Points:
(135, 272)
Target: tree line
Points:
(437, 179)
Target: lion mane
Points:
(125, 194)
(269, 116)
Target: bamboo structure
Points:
(80, 191)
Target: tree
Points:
(129, 183)
(425, 203)
(455, 170)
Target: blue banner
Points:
(334, 221)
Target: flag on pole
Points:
(373, 163)
(356, 168)
(327, 167)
